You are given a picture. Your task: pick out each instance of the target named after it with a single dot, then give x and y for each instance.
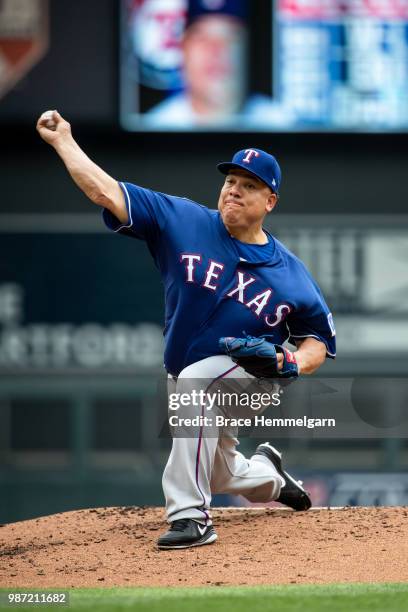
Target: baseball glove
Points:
(259, 357)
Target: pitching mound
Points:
(116, 547)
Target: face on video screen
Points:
(214, 59)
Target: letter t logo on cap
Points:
(250, 153)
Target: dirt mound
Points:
(117, 546)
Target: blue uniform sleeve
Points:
(147, 213)
(312, 318)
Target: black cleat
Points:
(292, 493)
(185, 533)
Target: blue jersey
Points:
(218, 286)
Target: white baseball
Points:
(49, 121)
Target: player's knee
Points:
(190, 372)
(209, 369)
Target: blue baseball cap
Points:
(263, 165)
(200, 8)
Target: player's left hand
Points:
(261, 358)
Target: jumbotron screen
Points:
(328, 65)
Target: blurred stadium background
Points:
(81, 310)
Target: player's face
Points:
(244, 200)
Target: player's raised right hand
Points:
(53, 128)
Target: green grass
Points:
(307, 598)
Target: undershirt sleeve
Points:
(312, 318)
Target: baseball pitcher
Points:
(222, 273)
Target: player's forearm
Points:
(310, 355)
(90, 178)
(101, 188)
